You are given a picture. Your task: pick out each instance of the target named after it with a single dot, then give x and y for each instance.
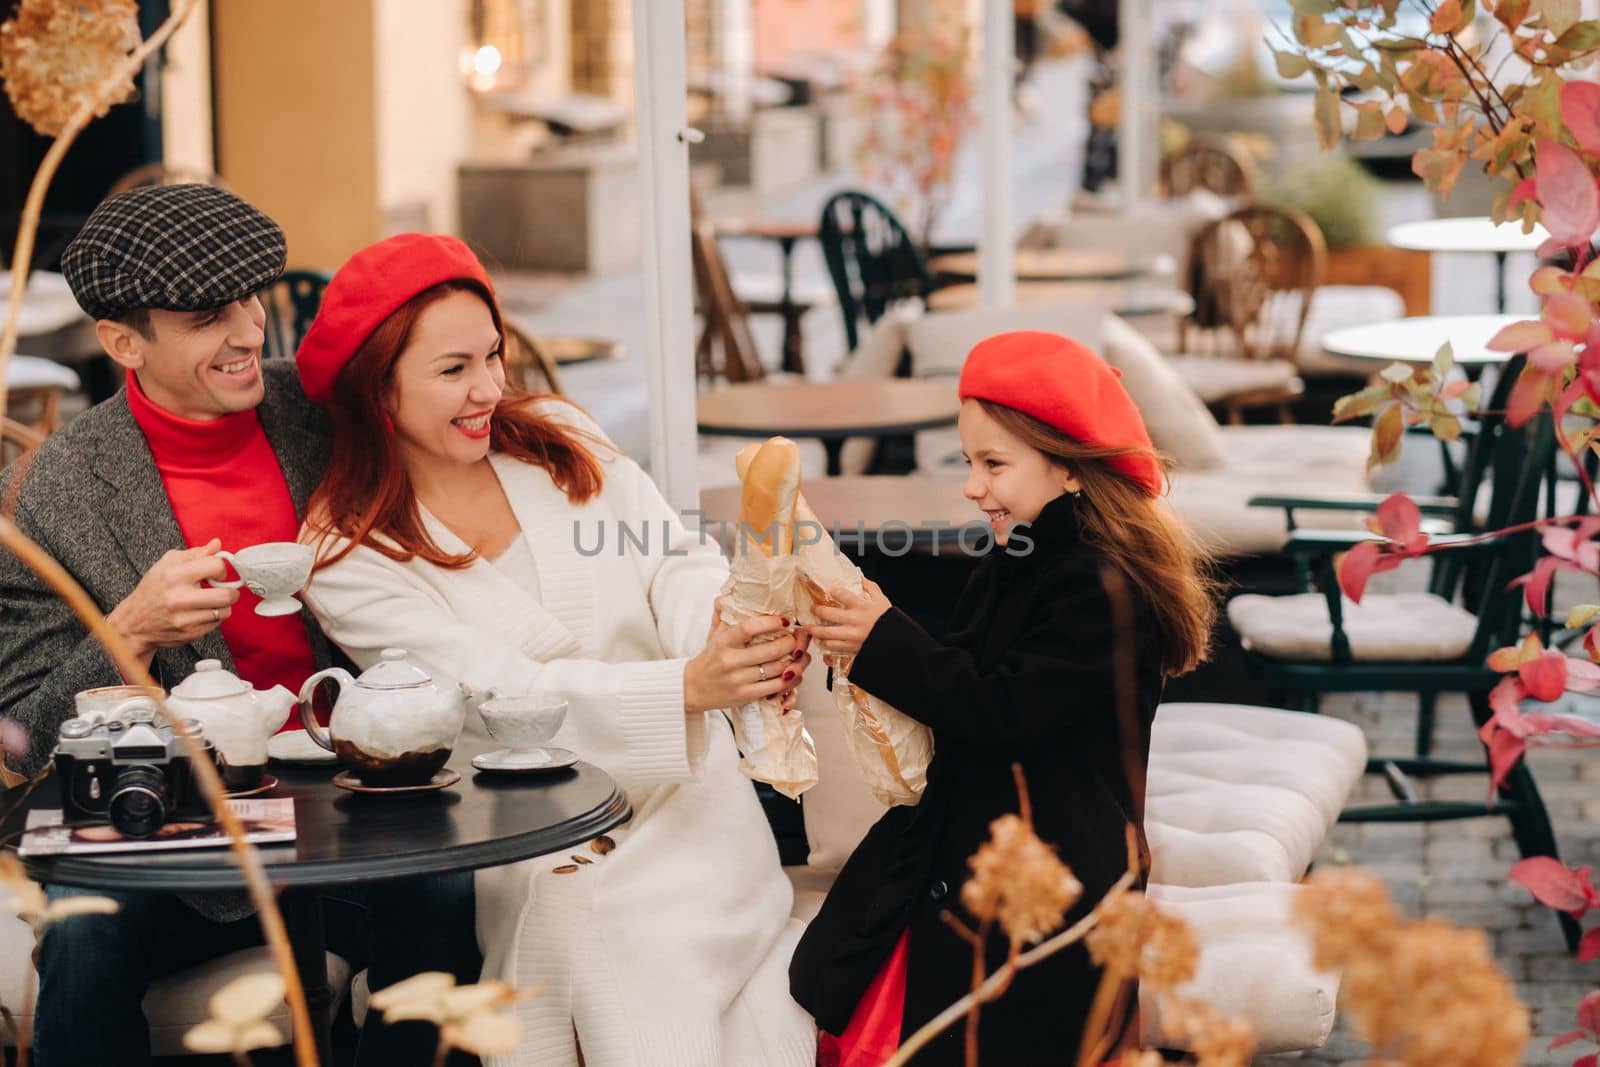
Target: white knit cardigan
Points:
(674, 949)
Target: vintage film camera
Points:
(131, 772)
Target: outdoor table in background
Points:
(895, 513)
(1052, 264)
(1125, 298)
(787, 233)
(567, 351)
(344, 838)
(1416, 339)
(1469, 234)
(832, 412)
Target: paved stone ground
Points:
(1457, 870)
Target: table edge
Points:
(87, 872)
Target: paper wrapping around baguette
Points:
(891, 750)
(775, 746)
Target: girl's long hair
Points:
(1140, 536)
(366, 497)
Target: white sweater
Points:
(674, 949)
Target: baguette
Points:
(770, 472)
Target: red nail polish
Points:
(796, 654)
(785, 623)
(787, 675)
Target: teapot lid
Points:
(394, 671)
(210, 680)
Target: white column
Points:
(736, 55)
(996, 280)
(1134, 78)
(877, 20)
(659, 92)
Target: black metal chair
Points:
(291, 303)
(871, 257)
(1516, 461)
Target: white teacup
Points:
(524, 725)
(274, 571)
(103, 703)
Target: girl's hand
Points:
(731, 671)
(844, 629)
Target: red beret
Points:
(371, 286)
(1062, 383)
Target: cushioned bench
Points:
(1239, 800)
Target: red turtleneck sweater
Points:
(224, 481)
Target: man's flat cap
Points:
(175, 247)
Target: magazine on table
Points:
(265, 820)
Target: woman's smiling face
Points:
(1009, 479)
(447, 381)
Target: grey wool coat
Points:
(92, 497)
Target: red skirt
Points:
(873, 1033)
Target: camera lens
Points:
(138, 803)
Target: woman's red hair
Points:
(366, 497)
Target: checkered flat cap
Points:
(175, 247)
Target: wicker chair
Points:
(1210, 163)
(1252, 275)
(528, 365)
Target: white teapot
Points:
(391, 726)
(237, 719)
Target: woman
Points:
(1037, 670)
(460, 522)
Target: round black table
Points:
(343, 838)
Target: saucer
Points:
(274, 606)
(509, 761)
(441, 779)
(296, 746)
(269, 782)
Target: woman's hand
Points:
(844, 629)
(731, 671)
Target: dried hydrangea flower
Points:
(56, 54)
(1420, 993)
(1135, 938)
(1018, 880)
(1443, 1000)
(1217, 1040)
(1349, 914)
(238, 1022)
(21, 894)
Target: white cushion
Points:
(1330, 460)
(1244, 794)
(1216, 378)
(31, 372)
(1336, 306)
(1404, 627)
(1178, 421)
(173, 1005)
(939, 341)
(1255, 964)
(807, 292)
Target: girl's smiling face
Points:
(1009, 479)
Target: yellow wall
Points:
(297, 132)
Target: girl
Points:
(1028, 674)
(459, 523)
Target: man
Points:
(204, 449)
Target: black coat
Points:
(1026, 675)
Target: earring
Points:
(388, 423)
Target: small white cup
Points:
(524, 724)
(274, 571)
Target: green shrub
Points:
(1338, 194)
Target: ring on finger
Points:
(761, 669)
(216, 614)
